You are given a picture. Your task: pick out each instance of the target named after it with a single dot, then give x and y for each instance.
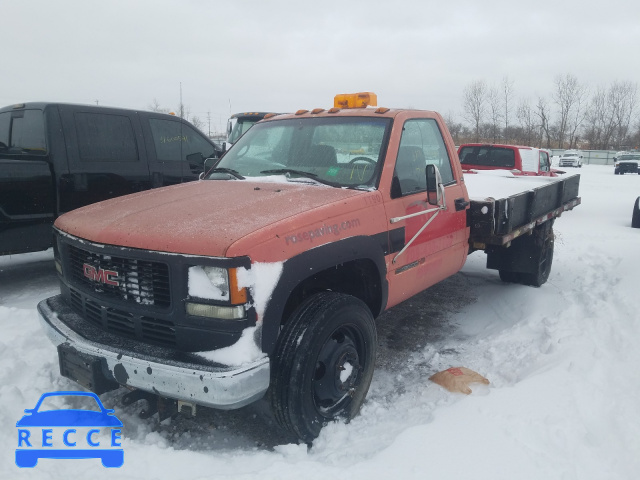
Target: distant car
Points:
(621, 152)
(635, 218)
(627, 163)
(571, 158)
(28, 457)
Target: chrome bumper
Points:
(199, 383)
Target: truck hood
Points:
(198, 218)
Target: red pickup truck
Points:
(519, 160)
(266, 276)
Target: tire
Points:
(544, 253)
(509, 277)
(327, 335)
(635, 218)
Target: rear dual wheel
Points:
(323, 363)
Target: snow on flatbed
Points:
(484, 184)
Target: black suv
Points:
(56, 157)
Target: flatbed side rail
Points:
(478, 241)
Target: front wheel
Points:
(635, 219)
(323, 363)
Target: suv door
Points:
(106, 155)
(177, 150)
(27, 198)
(423, 257)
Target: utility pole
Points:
(209, 120)
(181, 106)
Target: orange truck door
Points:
(421, 256)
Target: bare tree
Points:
(455, 127)
(544, 123)
(474, 104)
(528, 124)
(155, 107)
(610, 115)
(495, 111)
(196, 122)
(569, 96)
(624, 97)
(507, 100)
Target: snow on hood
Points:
(198, 218)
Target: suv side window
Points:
(105, 138)
(421, 144)
(174, 141)
(22, 131)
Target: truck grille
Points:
(125, 324)
(131, 280)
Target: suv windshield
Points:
(339, 151)
(628, 157)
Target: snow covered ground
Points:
(563, 361)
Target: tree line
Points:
(574, 116)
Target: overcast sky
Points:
(244, 55)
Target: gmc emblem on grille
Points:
(100, 275)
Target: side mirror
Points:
(195, 157)
(434, 182)
(224, 147)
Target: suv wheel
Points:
(323, 363)
(635, 219)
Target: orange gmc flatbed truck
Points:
(265, 277)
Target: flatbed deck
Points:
(505, 206)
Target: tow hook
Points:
(164, 407)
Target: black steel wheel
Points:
(635, 218)
(323, 363)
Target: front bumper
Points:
(165, 372)
(627, 167)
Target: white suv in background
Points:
(571, 158)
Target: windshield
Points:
(239, 127)
(339, 151)
(629, 157)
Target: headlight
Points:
(211, 283)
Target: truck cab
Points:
(239, 123)
(519, 160)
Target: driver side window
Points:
(421, 144)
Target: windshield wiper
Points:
(302, 173)
(292, 171)
(230, 171)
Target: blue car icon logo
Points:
(69, 433)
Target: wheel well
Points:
(359, 278)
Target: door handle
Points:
(461, 204)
